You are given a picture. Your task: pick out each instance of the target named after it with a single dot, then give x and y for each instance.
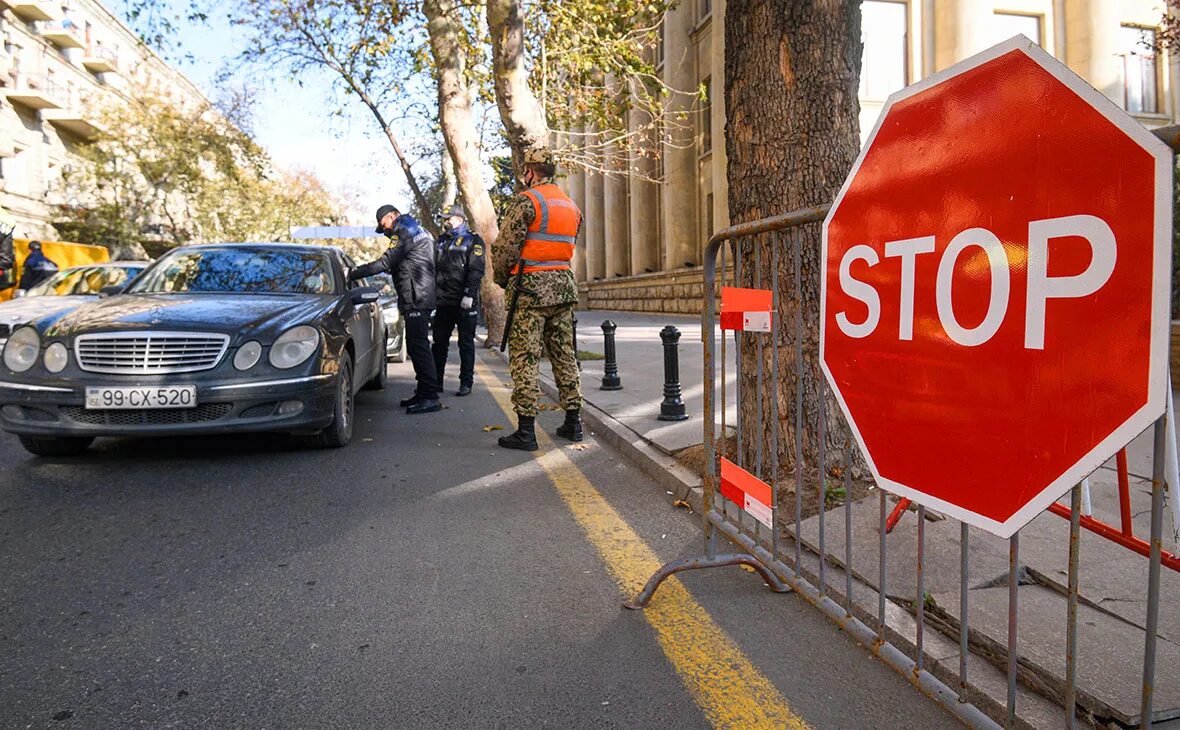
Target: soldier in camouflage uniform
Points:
(532, 257)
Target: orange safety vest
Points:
(549, 243)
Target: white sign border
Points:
(1161, 287)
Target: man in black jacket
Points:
(460, 264)
(410, 260)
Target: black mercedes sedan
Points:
(210, 339)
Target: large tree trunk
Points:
(523, 117)
(791, 74)
(444, 25)
(450, 183)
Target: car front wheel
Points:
(63, 446)
(339, 432)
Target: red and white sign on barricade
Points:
(746, 310)
(746, 491)
(997, 268)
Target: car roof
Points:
(109, 265)
(305, 247)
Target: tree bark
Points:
(791, 74)
(450, 184)
(444, 26)
(522, 115)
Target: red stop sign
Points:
(996, 289)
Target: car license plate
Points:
(147, 397)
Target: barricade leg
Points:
(679, 566)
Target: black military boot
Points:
(572, 428)
(525, 436)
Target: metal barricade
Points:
(751, 255)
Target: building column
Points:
(680, 150)
(717, 110)
(962, 28)
(645, 244)
(617, 222)
(1092, 45)
(577, 192)
(595, 219)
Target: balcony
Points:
(35, 9)
(100, 60)
(62, 33)
(73, 120)
(35, 92)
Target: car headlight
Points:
(56, 357)
(248, 355)
(20, 352)
(294, 347)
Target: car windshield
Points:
(238, 270)
(84, 280)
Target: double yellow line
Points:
(725, 684)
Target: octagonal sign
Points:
(996, 287)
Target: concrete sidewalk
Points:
(1113, 579)
(641, 369)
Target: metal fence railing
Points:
(786, 537)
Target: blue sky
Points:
(296, 124)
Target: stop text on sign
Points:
(1041, 286)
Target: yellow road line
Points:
(724, 683)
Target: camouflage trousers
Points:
(537, 330)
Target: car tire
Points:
(61, 446)
(377, 382)
(400, 354)
(339, 432)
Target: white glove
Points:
(466, 303)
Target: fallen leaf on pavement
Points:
(366, 440)
(747, 568)
(578, 447)
(489, 429)
(682, 503)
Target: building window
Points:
(707, 117)
(706, 9)
(884, 66)
(709, 230)
(1006, 25)
(1140, 71)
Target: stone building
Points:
(643, 241)
(59, 61)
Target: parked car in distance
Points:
(66, 290)
(217, 338)
(395, 326)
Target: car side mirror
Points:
(363, 295)
(19, 294)
(110, 291)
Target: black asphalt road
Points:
(421, 577)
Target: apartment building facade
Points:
(643, 241)
(60, 61)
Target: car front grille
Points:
(149, 353)
(155, 417)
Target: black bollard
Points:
(672, 407)
(577, 357)
(610, 369)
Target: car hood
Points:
(19, 311)
(247, 315)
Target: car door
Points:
(366, 319)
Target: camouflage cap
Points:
(538, 156)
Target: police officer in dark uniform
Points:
(460, 268)
(410, 260)
(37, 267)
